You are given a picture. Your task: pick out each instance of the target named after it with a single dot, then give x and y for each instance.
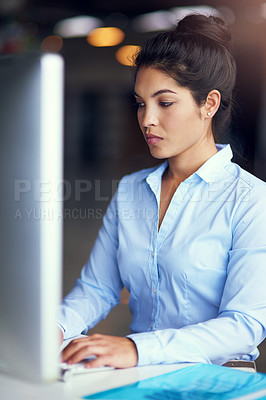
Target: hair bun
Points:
(210, 27)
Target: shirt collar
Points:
(212, 168)
(154, 178)
(209, 171)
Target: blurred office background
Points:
(102, 138)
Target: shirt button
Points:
(152, 325)
(154, 290)
(153, 253)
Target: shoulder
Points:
(249, 213)
(250, 194)
(245, 179)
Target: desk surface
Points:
(93, 382)
(79, 385)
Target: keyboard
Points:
(68, 370)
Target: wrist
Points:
(61, 336)
(134, 351)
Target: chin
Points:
(160, 155)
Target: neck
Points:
(185, 164)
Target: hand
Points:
(114, 351)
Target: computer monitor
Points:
(31, 180)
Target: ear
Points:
(211, 104)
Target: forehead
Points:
(151, 80)
(151, 74)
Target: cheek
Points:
(173, 120)
(181, 119)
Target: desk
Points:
(82, 385)
(79, 385)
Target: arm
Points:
(240, 325)
(98, 288)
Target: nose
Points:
(148, 117)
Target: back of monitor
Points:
(31, 173)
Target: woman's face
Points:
(171, 121)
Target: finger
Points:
(78, 356)
(73, 347)
(84, 352)
(101, 361)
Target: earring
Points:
(208, 114)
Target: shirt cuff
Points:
(148, 347)
(70, 323)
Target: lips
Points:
(152, 139)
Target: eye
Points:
(165, 103)
(140, 104)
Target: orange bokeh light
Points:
(107, 36)
(125, 54)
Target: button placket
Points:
(154, 289)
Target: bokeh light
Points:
(52, 43)
(107, 36)
(79, 26)
(125, 54)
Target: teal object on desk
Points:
(196, 382)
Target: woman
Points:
(187, 238)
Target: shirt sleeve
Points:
(241, 323)
(98, 288)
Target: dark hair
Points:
(198, 55)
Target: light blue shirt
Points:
(198, 285)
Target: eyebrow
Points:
(158, 92)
